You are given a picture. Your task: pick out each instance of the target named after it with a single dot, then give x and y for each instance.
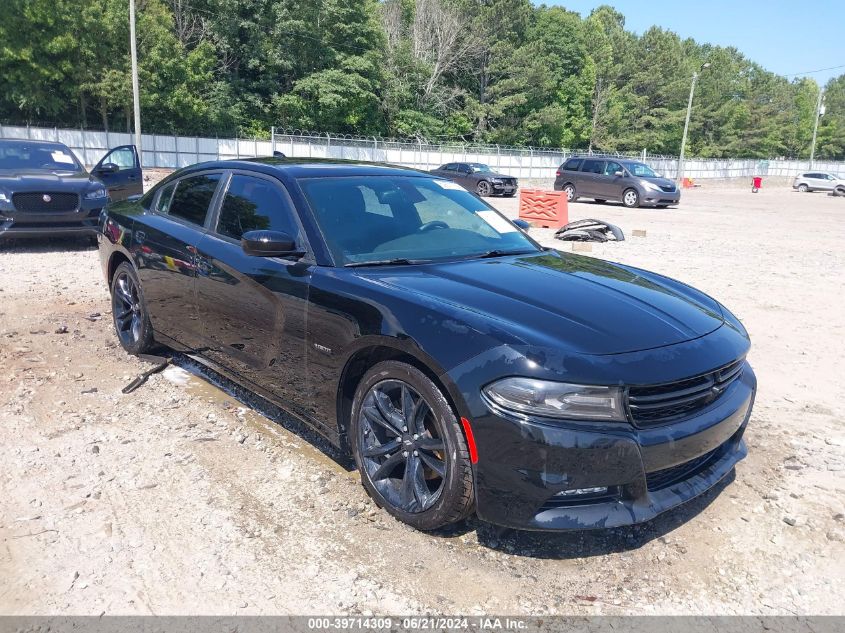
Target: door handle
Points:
(133, 177)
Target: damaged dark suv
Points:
(464, 367)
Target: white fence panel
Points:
(167, 151)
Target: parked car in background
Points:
(817, 181)
(464, 367)
(479, 178)
(632, 183)
(46, 191)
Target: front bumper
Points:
(504, 189)
(83, 221)
(653, 198)
(524, 464)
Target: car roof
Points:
(311, 167)
(32, 141)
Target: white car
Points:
(817, 181)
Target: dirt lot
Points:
(180, 499)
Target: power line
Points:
(810, 72)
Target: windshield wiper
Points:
(398, 261)
(499, 253)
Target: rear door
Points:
(253, 309)
(165, 245)
(587, 183)
(120, 171)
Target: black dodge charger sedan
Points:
(479, 178)
(465, 367)
(45, 190)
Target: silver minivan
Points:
(817, 181)
(630, 182)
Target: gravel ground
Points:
(180, 498)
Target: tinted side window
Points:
(163, 202)
(592, 166)
(573, 164)
(192, 196)
(253, 204)
(611, 168)
(123, 158)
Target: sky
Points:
(785, 37)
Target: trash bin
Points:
(756, 183)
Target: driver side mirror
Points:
(522, 224)
(269, 244)
(619, 173)
(108, 168)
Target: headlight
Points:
(557, 399)
(498, 181)
(99, 192)
(651, 186)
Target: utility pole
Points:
(819, 113)
(680, 174)
(136, 99)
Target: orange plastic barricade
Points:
(548, 209)
(687, 183)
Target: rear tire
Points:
(631, 198)
(803, 188)
(571, 194)
(406, 440)
(129, 311)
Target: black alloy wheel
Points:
(129, 311)
(483, 188)
(409, 449)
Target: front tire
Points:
(803, 188)
(483, 189)
(409, 449)
(129, 311)
(631, 198)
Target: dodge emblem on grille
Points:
(46, 198)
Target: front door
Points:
(165, 243)
(253, 309)
(120, 171)
(609, 185)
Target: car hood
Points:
(36, 180)
(491, 174)
(660, 182)
(584, 305)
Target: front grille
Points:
(54, 202)
(660, 479)
(508, 182)
(668, 188)
(656, 404)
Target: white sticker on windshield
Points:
(62, 157)
(499, 224)
(448, 184)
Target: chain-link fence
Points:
(169, 151)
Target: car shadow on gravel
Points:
(263, 406)
(47, 245)
(548, 545)
(588, 543)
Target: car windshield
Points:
(377, 219)
(480, 167)
(46, 156)
(639, 169)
